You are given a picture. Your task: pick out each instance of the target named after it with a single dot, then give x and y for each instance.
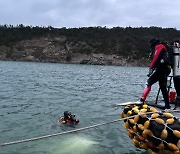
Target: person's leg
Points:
(163, 86)
(152, 79)
(145, 93)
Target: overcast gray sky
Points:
(86, 13)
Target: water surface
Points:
(34, 95)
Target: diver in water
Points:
(158, 71)
(68, 118)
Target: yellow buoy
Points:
(172, 146)
(136, 118)
(147, 133)
(143, 110)
(161, 146)
(140, 126)
(132, 121)
(126, 125)
(176, 152)
(135, 128)
(159, 121)
(129, 113)
(168, 115)
(136, 110)
(178, 144)
(164, 134)
(170, 121)
(145, 106)
(152, 109)
(176, 133)
(147, 124)
(154, 115)
(122, 115)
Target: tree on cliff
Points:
(127, 42)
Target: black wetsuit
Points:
(160, 74)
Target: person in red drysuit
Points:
(158, 71)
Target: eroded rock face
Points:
(60, 50)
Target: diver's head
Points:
(69, 114)
(66, 113)
(154, 41)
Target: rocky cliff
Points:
(61, 50)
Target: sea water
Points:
(34, 95)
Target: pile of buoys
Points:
(158, 132)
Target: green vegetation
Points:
(131, 42)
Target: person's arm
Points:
(157, 53)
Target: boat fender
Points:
(154, 131)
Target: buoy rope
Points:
(78, 129)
